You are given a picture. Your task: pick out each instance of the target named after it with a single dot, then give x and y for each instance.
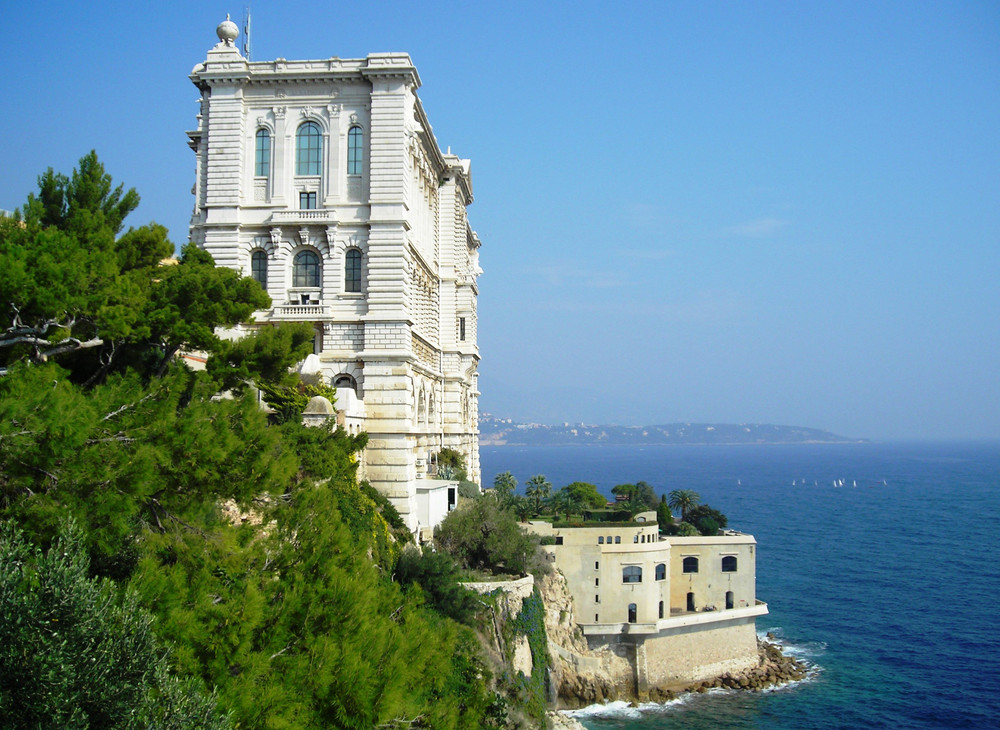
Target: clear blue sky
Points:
(740, 212)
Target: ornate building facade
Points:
(324, 182)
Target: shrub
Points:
(482, 536)
(707, 526)
(468, 490)
(438, 575)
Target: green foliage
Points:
(389, 512)
(451, 465)
(265, 566)
(707, 526)
(504, 486)
(264, 356)
(532, 692)
(438, 576)
(707, 520)
(538, 488)
(122, 455)
(522, 506)
(482, 536)
(75, 655)
(664, 517)
(298, 628)
(83, 202)
(685, 529)
(469, 490)
(645, 496)
(586, 494)
(702, 511)
(683, 500)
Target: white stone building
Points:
(680, 609)
(323, 181)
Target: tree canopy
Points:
(75, 290)
(240, 551)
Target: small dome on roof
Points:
(227, 31)
(319, 406)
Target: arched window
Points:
(729, 599)
(729, 564)
(258, 267)
(600, 539)
(690, 565)
(345, 381)
(308, 149)
(609, 539)
(355, 140)
(305, 270)
(631, 613)
(262, 156)
(661, 609)
(631, 574)
(352, 270)
(661, 572)
(618, 539)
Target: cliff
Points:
(582, 675)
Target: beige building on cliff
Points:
(680, 609)
(323, 181)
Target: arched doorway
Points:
(631, 613)
(690, 603)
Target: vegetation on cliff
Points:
(237, 552)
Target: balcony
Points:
(677, 622)
(292, 217)
(300, 311)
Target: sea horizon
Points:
(882, 587)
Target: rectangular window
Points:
(597, 582)
(355, 137)
(559, 540)
(597, 566)
(597, 599)
(595, 618)
(307, 201)
(262, 162)
(461, 329)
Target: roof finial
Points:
(227, 31)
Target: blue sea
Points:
(890, 589)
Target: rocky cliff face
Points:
(580, 676)
(583, 676)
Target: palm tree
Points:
(538, 488)
(683, 499)
(522, 507)
(504, 485)
(566, 501)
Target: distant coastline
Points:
(494, 431)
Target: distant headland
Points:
(495, 431)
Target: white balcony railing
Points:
(320, 215)
(303, 311)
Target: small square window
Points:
(307, 201)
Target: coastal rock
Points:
(558, 721)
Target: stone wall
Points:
(694, 654)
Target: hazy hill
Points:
(505, 432)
